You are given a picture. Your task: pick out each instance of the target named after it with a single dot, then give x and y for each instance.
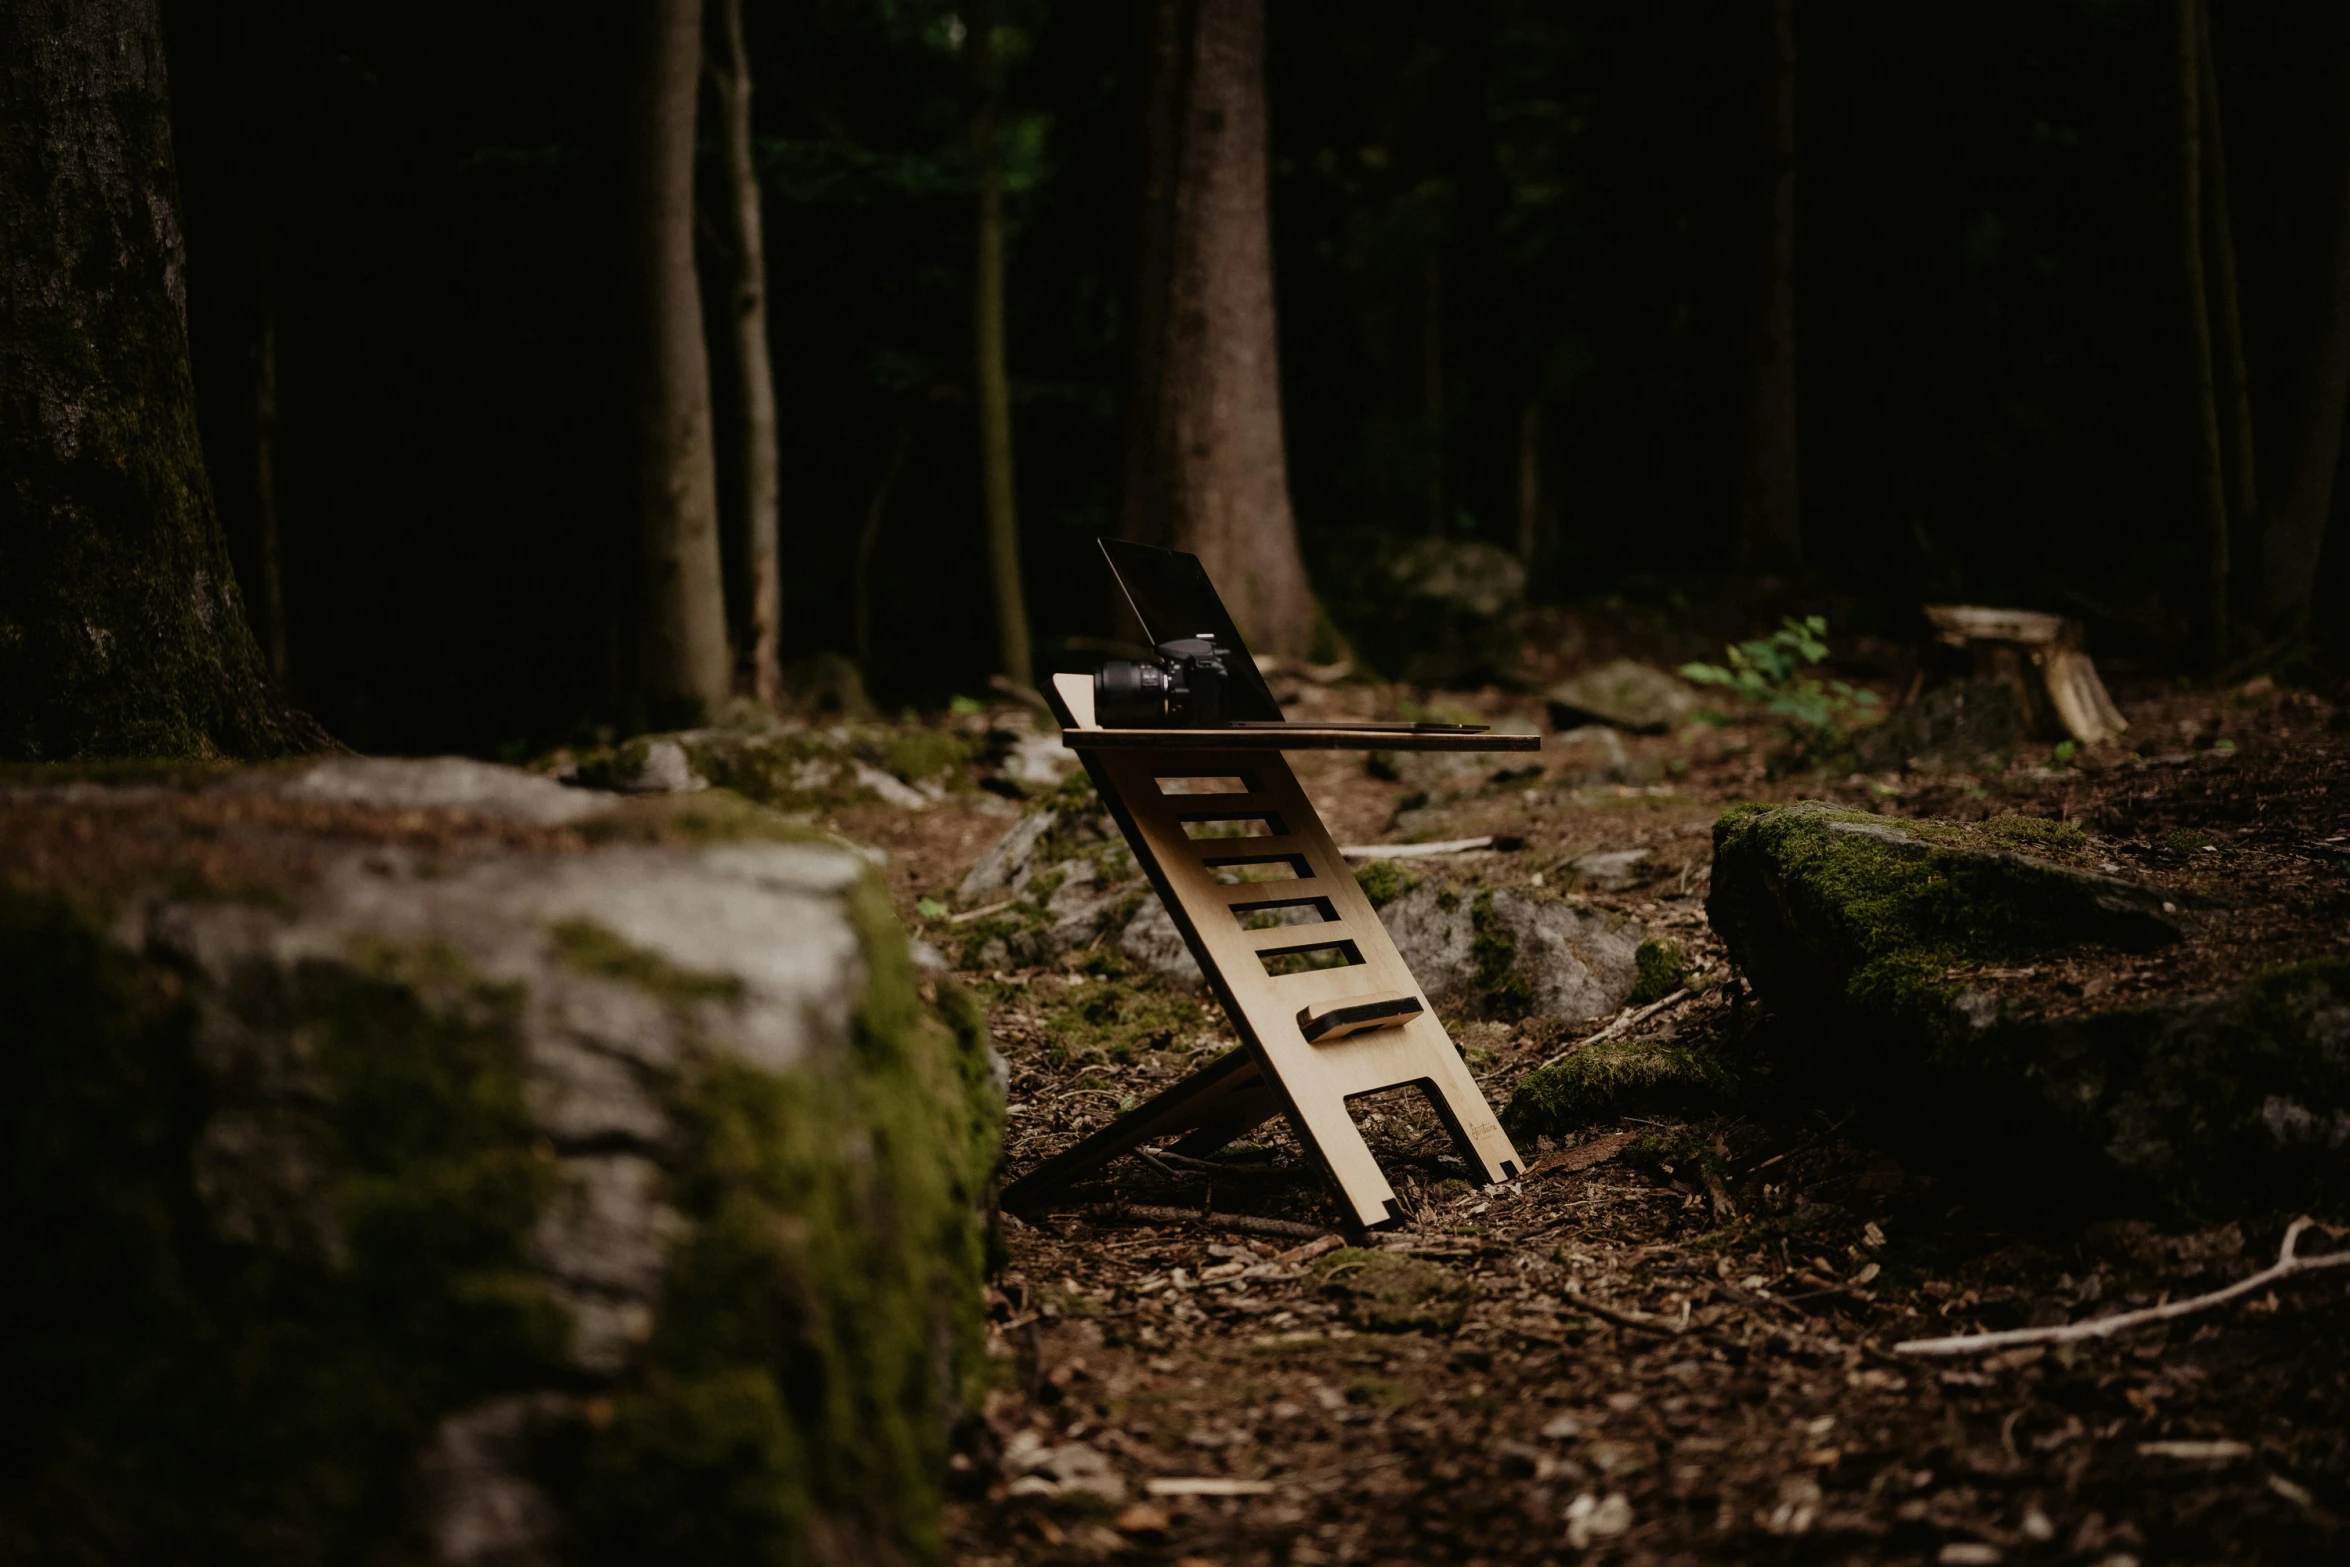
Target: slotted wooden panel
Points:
(1310, 1082)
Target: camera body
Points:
(1185, 690)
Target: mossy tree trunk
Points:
(683, 671)
(1205, 465)
(121, 629)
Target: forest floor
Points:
(1615, 1360)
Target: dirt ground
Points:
(1619, 1361)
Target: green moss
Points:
(820, 1326)
(591, 949)
(1119, 1015)
(2035, 832)
(1503, 990)
(1812, 890)
(1614, 1078)
(1384, 881)
(249, 1376)
(1663, 969)
(918, 754)
(1389, 1292)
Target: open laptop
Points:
(1173, 598)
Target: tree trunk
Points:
(1530, 481)
(2211, 504)
(121, 629)
(273, 591)
(2235, 379)
(1432, 387)
(1770, 530)
(992, 375)
(2297, 528)
(761, 473)
(1205, 469)
(683, 666)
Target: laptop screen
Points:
(1173, 598)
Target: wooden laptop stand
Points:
(1312, 1037)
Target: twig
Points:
(1413, 851)
(1625, 1019)
(969, 915)
(2289, 1262)
(1239, 1223)
(1622, 1318)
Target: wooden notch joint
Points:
(1327, 1020)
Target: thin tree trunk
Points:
(867, 538)
(2211, 484)
(121, 629)
(761, 474)
(1432, 388)
(2297, 527)
(273, 592)
(1770, 529)
(1530, 480)
(2235, 379)
(1205, 469)
(683, 668)
(991, 373)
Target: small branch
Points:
(2289, 1262)
(1239, 1223)
(969, 915)
(1412, 851)
(1623, 1319)
(1628, 1018)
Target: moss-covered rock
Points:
(1879, 943)
(418, 1161)
(795, 767)
(1514, 952)
(1389, 1292)
(1618, 1077)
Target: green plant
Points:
(1771, 673)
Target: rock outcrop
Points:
(1509, 952)
(1895, 953)
(425, 1161)
(1623, 695)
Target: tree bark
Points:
(1770, 528)
(683, 673)
(2211, 484)
(1205, 468)
(122, 632)
(2297, 527)
(761, 471)
(1530, 481)
(2235, 378)
(988, 350)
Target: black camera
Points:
(1185, 690)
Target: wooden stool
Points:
(1323, 1003)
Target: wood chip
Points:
(1208, 1485)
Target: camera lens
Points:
(1127, 695)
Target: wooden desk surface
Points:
(1078, 733)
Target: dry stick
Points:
(2288, 1263)
(1240, 1223)
(1626, 1019)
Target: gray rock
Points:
(1623, 695)
(446, 783)
(1515, 951)
(1612, 869)
(1152, 940)
(477, 1134)
(1443, 612)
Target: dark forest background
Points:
(409, 205)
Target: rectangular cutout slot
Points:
(1304, 960)
(1221, 783)
(1196, 826)
(1232, 870)
(1284, 911)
